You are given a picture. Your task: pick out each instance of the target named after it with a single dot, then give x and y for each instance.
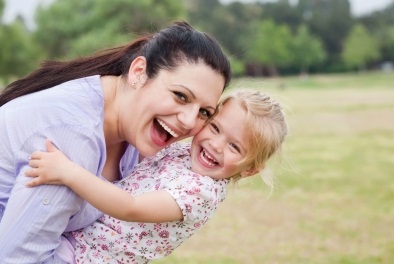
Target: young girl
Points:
(170, 198)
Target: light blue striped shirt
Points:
(33, 219)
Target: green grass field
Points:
(334, 195)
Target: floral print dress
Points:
(109, 240)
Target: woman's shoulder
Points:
(64, 106)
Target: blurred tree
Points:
(18, 53)
(386, 40)
(360, 48)
(331, 21)
(271, 47)
(239, 30)
(230, 23)
(282, 12)
(307, 50)
(227, 23)
(73, 27)
(381, 26)
(2, 5)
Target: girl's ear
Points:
(249, 172)
(137, 72)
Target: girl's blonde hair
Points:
(265, 128)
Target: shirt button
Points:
(45, 201)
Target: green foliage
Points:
(18, 53)
(271, 45)
(230, 24)
(2, 5)
(282, 12)
(237, 67)
(385, 37)
(359, 48)
(330, 20)
(73, 27)
(307, 49)
(69, 28)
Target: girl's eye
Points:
(234, 146)
(205, 114)
(214, 128)
(181, 96)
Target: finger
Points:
(33, 183)
(32, 172)
(36, 155)
(34, 163)
(50, 146)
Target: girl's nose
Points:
(216, 144)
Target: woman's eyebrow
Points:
(193, 95)
(190, 91)
(213, 108)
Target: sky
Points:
(26, 7)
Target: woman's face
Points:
(172, 106)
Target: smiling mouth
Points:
(207, 158)
(164, 132)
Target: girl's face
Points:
(171, 107)
(221, 144)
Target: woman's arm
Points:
(53, 167)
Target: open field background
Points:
(334, 195)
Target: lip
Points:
(155, 136)
(156, 140)
(203, 160)
(173, 129)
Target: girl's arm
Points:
(53, 167)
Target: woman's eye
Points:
(181, 96)
(205, 114)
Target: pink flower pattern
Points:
(110, 240)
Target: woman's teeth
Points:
(208, 158)
(172, 133)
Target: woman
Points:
(99, 111)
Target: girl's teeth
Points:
(208, 158)
(204, 158)
(175, 135)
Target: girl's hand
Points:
(51, 167)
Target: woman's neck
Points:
(111, 167)
(110, 85)
(115, 146)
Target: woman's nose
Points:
(188, 117)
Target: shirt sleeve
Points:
(196, 197)
(35, 218)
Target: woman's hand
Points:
(51, 167)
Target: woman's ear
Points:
(137, 72)
(249, 172)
